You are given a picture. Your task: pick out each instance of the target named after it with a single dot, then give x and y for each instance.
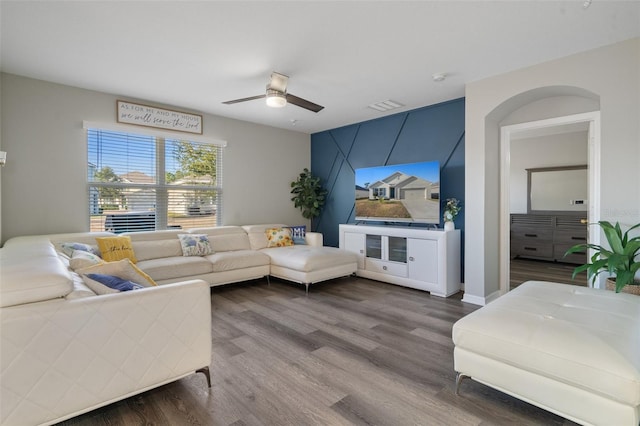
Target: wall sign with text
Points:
(144, 115)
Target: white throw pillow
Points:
(83, 259)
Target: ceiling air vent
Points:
(385, 105)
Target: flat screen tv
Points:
(399, 193)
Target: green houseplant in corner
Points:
(308, 194)
(621, 259)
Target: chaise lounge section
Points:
(240, 253)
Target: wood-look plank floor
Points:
(522, 270)
(352, 352)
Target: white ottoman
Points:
(571, 350)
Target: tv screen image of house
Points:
(399, 193)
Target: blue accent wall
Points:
(432, 133)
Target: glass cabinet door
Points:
(374, 246)
(398, 249)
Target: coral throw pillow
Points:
(116, 248)
(279, 237)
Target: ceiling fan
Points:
(277, 96)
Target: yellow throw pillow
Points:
(122, 269)
(278, 237)
(116, 248)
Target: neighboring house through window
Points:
(140, 182)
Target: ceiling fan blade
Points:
(278, 82)
(303, 103)
(251, 98)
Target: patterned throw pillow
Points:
(69, 248)
(278, 237)
(298, 234)
(123, 269)
(116, 248)
(195, 244)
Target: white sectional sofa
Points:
(241, 253)
(571, 350)
(64, 350)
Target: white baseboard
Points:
(477, 300)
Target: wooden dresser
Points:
(548, 237)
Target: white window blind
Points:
(140, 182)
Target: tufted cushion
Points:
(584, 337)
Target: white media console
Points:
(425, 259)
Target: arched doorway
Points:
(542, 109)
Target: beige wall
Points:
(44, 189)
(609, 74)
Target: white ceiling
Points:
(343, 55)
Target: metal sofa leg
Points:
(205, 371)
(268, 281)
(306, 292)
(459, 378)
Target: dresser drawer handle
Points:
(530, 248)
(579, 238)
(531, 235)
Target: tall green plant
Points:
(308, 194)
(618, 260)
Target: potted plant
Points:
(308, 194)
(622, 259)
(451, 210)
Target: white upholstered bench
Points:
(571, 350)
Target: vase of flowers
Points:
(451, 210)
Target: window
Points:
(140, 182)
(379, 192)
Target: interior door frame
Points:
(593, 203)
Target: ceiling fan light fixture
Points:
(276, 99)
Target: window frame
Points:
(161, 205)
